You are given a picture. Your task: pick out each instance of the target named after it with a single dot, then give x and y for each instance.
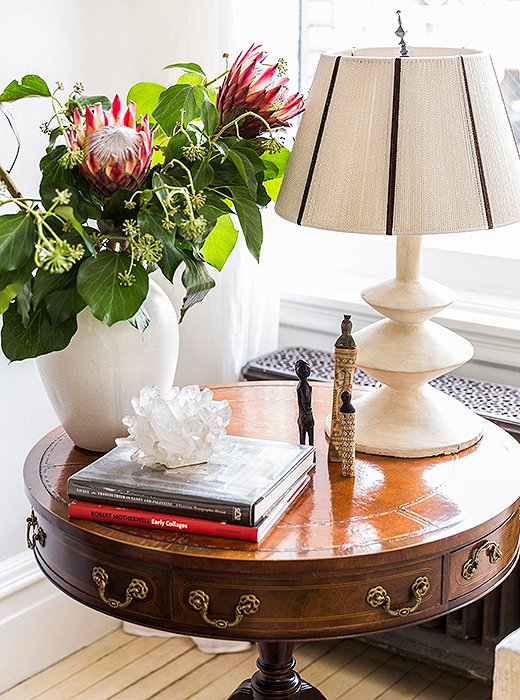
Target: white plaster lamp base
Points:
(406, 417)
(419, 423)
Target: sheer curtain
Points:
(239, 318)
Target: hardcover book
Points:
(240, 483)
(179, 523)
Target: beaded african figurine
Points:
(345, 355)
(347, 442)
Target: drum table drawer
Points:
(116, 585)
(477, 563)
(254, 608)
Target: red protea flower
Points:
(250, 86)
(117, 152)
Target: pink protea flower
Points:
(117, 152)
(250, 86)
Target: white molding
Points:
(493, 330)
(39, 625)
(18, 572)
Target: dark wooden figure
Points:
(346, 405)
(304, 393)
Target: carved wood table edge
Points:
(403, 542)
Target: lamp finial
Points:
(400, 32)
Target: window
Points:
(490, 25)
(482, 267)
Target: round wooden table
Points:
(404, 541)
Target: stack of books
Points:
(241, 492)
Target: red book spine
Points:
(161, 521)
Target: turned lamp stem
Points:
(408, 258)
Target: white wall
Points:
(110, 45)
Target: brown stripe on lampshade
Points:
(318, 141)
(478, 154)
(392, 166)
(415, 145)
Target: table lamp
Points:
(404, 143)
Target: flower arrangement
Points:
(129, 188)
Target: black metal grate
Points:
(499, 403)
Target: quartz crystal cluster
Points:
(182, 427)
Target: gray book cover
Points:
(241, 473)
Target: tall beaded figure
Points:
(345, 355)
(304, 394)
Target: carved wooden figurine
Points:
(347, 443)
(304, 393)
(345, 354)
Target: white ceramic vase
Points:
(92, 381)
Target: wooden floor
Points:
(126, 667)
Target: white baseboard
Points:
(39, 625)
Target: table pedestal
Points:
(276, 677)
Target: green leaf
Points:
(175, 144)
(30, 86)
(67, 213)
(90, 100)
(63, 304)
(178, 101)
(245, 147)
(209, 116)
(37, 338)
(196, 280)
(220, 242)
(99, 285)
(17, 236)
(190, 79)
(221, 147)
(7, 294)
(45, 283)
(158, 183)
(246, 170)
(145, 96)
(273, 187)
(150, 221)
(189, 67)
(52, 172)
(78, 203)
(275, 163)
(202, 174)
(115, 209)
(141, 320)
(250, 219)
(19, 276)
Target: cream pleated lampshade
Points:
(413, 145)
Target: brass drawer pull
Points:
(38, 535)
(247, 605)
(493, 552)
(379, 597)
(136, 589)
